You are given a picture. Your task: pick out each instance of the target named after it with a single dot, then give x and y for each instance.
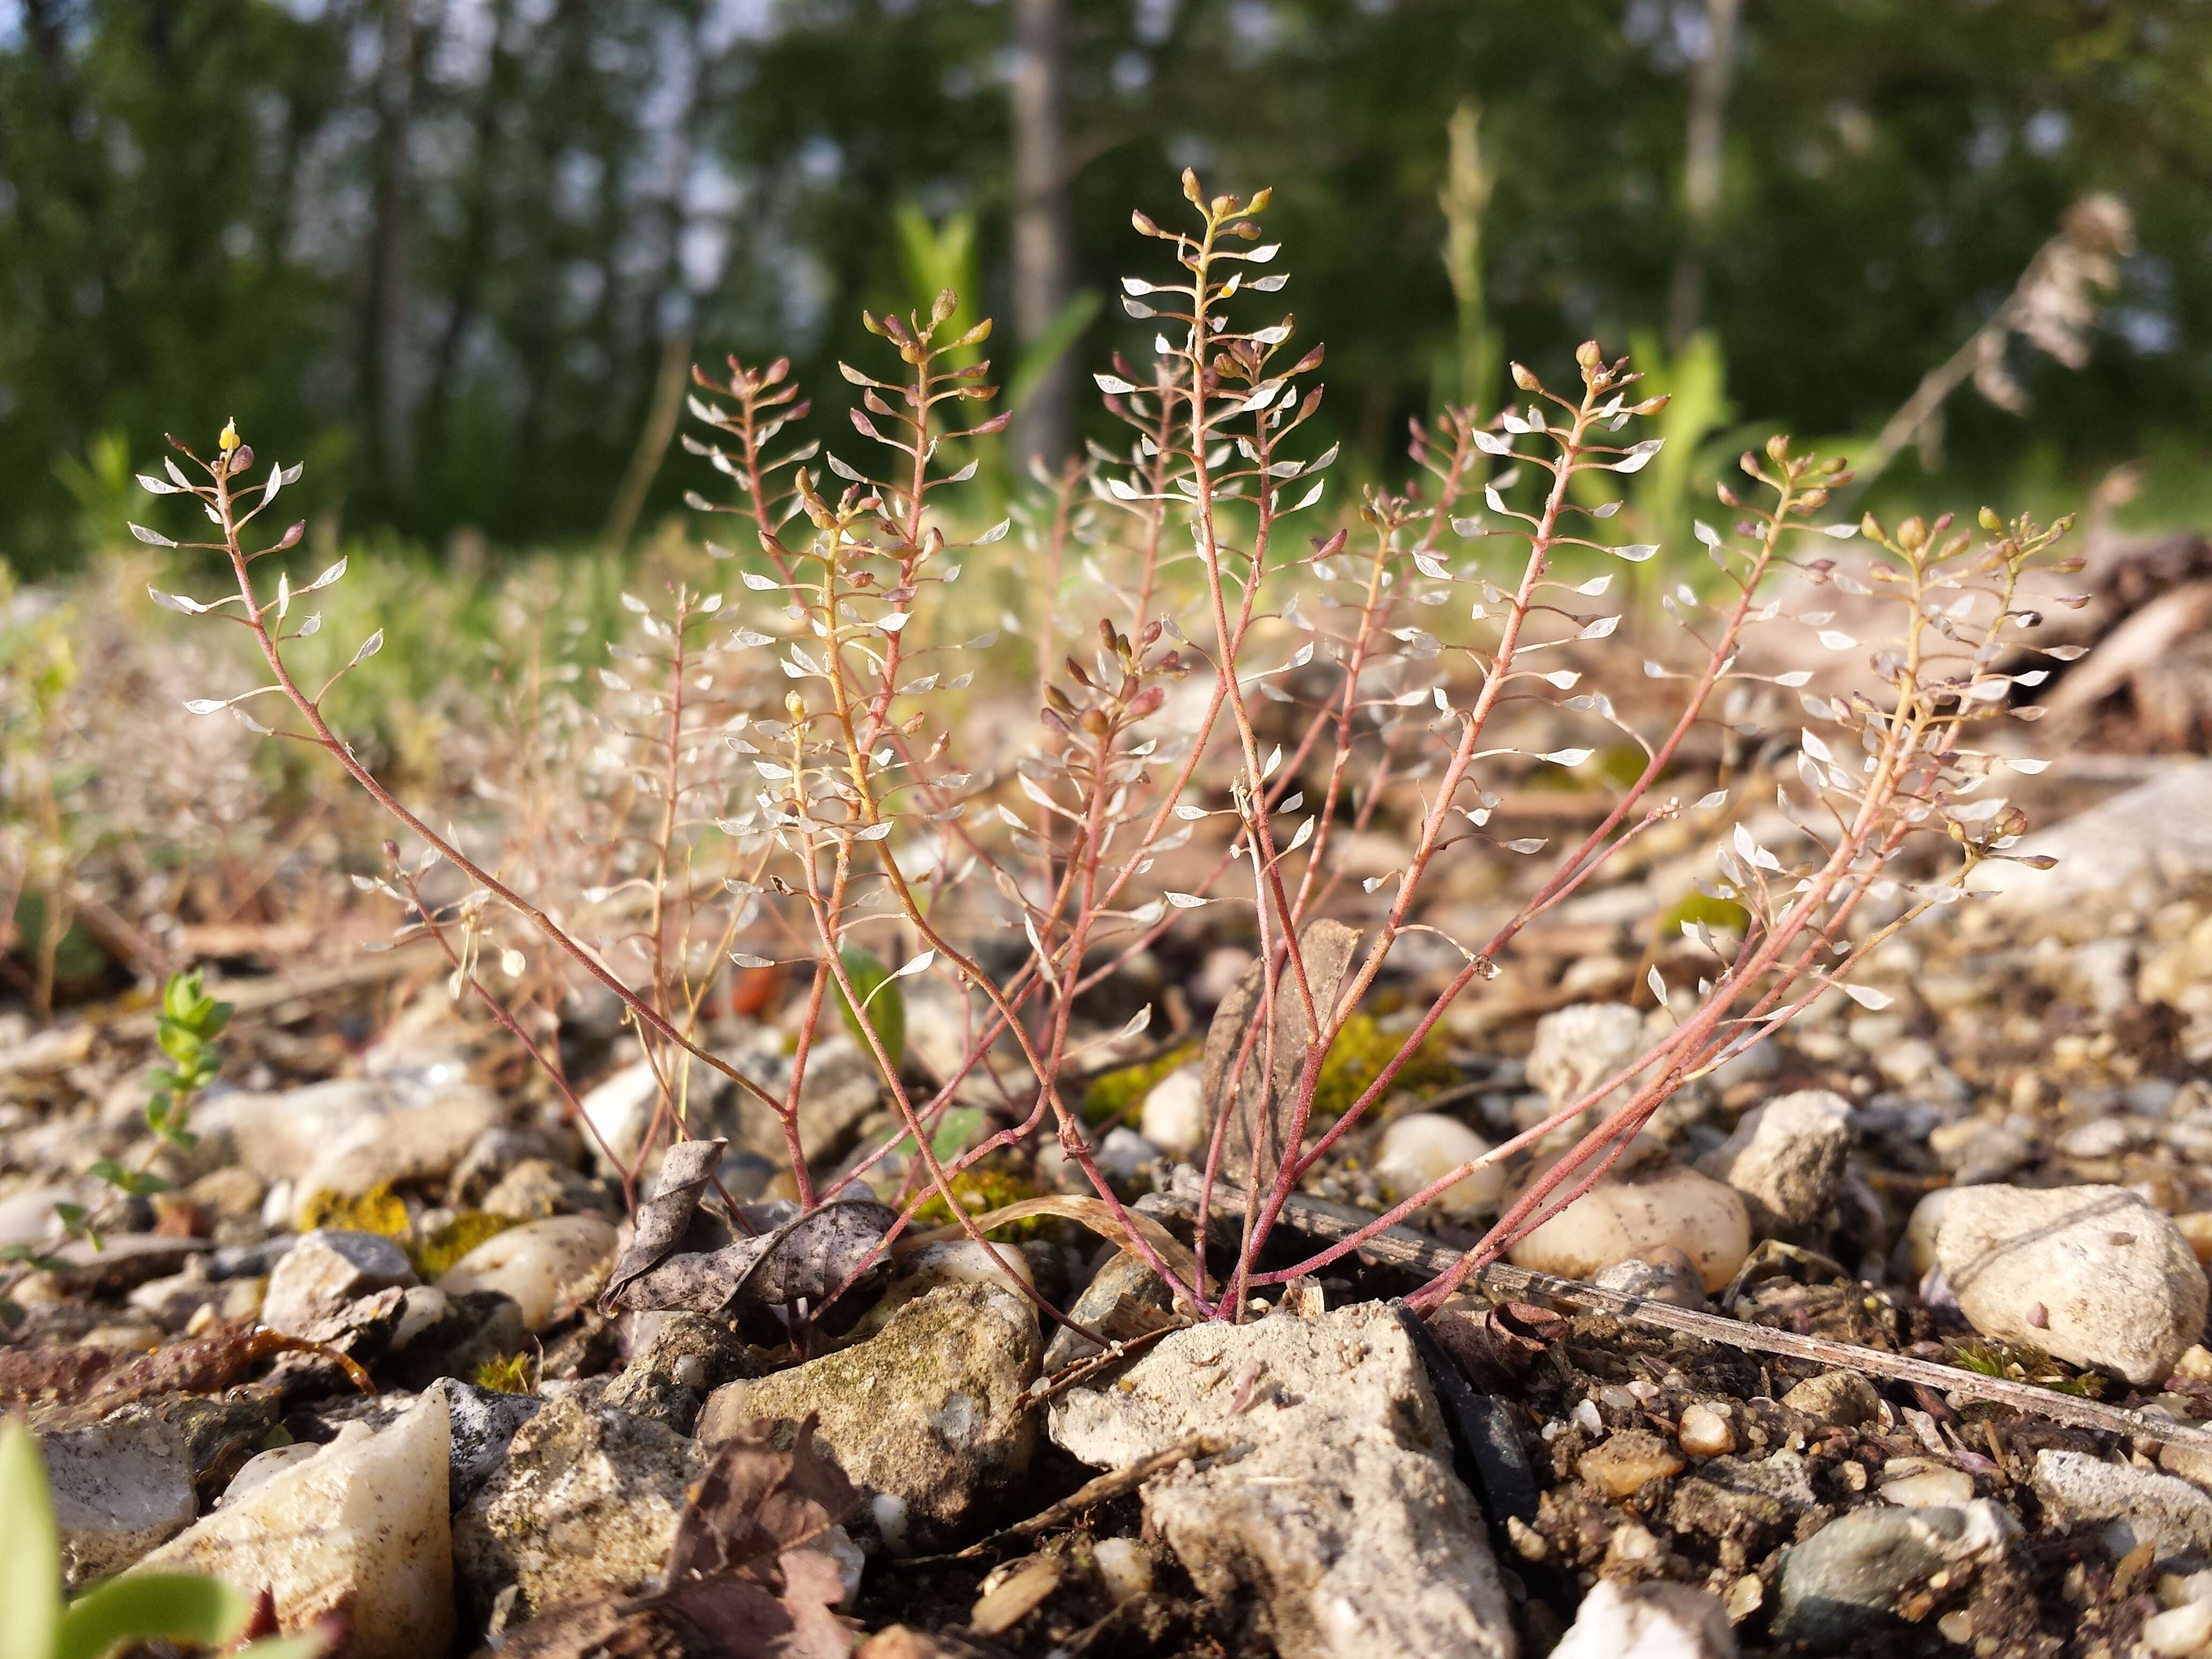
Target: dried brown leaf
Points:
(1261, 1116)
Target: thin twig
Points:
(1401, 1247)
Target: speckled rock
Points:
(586, 1506)
(2091, 1275)
(1125, 1298)
(1842, 1585)
(121, 1489)
(927, 1417)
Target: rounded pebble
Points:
(1423, 1146)
(1706, 1433)
(1173, 1117)
(546, 1267)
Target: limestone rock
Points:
(1786, 1160)
(1579, 1047)
(1648, 1621)
(927, 1417)
(584, 1507)
(2136, 1506)
(360, 1528)
(2091, 1275)
(1344, 1517)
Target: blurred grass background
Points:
(454, 254)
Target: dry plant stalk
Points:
(856, 819)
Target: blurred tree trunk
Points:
(1701, 172)
(1044, 220)
(391, 253)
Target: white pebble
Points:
(1422, 1146)
(1930, 1486)
(2178, 1631)
(1125, 1566)
(1706, 1433)
(1173, 1117)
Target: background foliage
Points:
(444, 246)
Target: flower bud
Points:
(1523, 379)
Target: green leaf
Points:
(955, 1130)
(30, 1550)
(880, 997)
(151, 1607)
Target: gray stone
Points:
(121, 1489)
(676, 1360)
(1841, 1400)
(1663, 1274)
(1124, 1299)
(325, 1273)
(538, 1187)
(1786, 1158)
(929, 1418)
(2091, 1275)
(2137, 1506)
(585, 1506)
(1344, 1516)
(1845, 1583)
(1648, 1621)
(484, 1424)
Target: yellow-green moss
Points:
(381, 1212)
(1361, 1050)
(508, 1375)
(984, 1188)
(441, 1247)
(1720, 914)
(1114, 1094)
